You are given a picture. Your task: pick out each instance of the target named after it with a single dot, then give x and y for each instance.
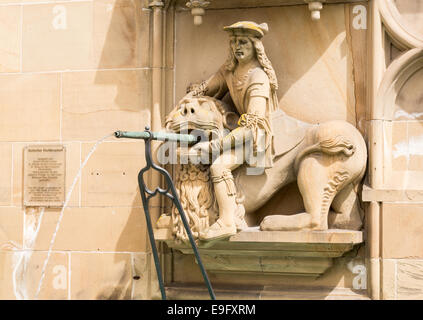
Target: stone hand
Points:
(201, 148)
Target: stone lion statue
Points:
(327, 160)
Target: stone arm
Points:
(253, 115)
(247, 128)
(215, 87)
(253, 123)
(249, 123)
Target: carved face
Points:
(242, 48)
(201, 114)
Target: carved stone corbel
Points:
(292, 253)
(197, 10)
(315, 7)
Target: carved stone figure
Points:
(327, 160)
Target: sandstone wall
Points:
(72, 72)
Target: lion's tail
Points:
(331, 146)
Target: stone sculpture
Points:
(328, 160)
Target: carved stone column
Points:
(157, 106)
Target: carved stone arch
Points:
(401, 35)
(393, 81)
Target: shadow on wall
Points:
(134, 270)
(142, 273)
(124, 42)
(347, 276)
(122, 32)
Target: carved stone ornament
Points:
(404, 37)
(218, 182)
(197, 10)
(315, 7)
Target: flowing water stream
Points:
(24, 258)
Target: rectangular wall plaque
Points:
(44, 175)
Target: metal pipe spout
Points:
(160, 136)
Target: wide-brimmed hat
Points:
(257, 30)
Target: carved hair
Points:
(197, 199)
(262, 58)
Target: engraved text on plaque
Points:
(44, 175)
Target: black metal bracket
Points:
(170, 192)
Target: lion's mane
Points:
(197, 199)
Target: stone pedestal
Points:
(296, 253)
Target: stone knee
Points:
(217, 169)
(221, 173)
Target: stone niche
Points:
(320, 66)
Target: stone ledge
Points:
(191, 292)
(335, 236)
(331, 236)
(391, 195)
(296, 253)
